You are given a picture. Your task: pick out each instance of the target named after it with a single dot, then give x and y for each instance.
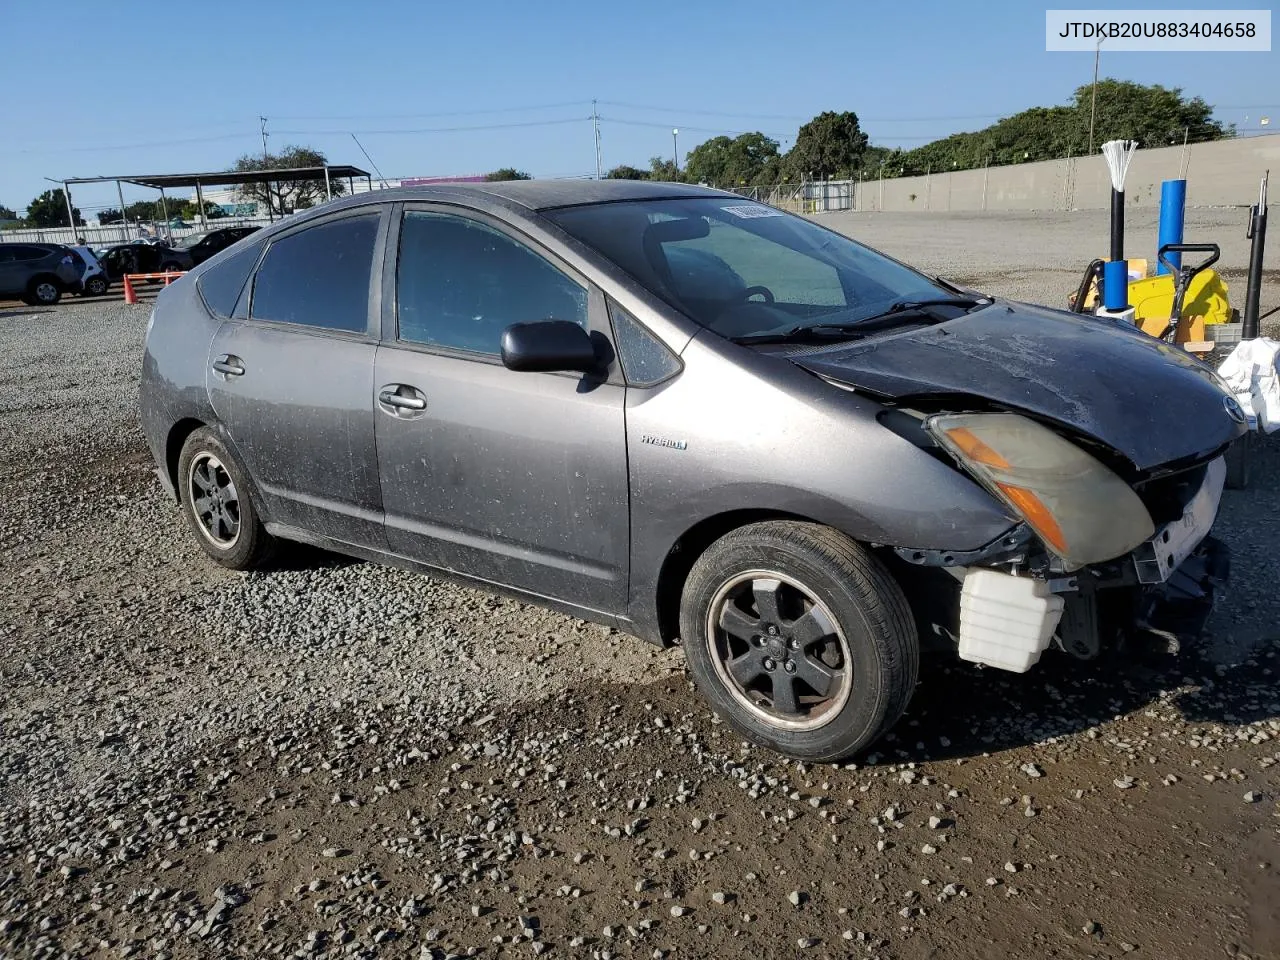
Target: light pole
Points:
(1093, 99)
(675, 147)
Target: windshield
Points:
(743, 269)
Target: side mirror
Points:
(548, 345)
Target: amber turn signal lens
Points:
(975, 449)
(1036, 514)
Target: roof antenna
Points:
(371, 163)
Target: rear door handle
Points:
(229, 365)
(402, 398)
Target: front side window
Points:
(460, 283)
(319, 277)
(741, 268)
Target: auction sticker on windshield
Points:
(750, 211)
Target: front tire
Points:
(799, 638)
(95, 286)
(218, 505)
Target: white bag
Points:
(1250, 371)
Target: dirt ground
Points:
(334, 759)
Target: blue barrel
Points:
(1115, 284)
(1173, 204)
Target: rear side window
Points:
(319, 277)
(460, 283)
(31, 253)
(221, 285)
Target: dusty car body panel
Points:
(577, 491)
(1093, 376)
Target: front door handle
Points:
(229, 365)
(402, 398)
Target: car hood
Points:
(1148, 400)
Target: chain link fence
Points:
(816, 196)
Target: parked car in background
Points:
(143, 258)
(702, 420)
(201, 246)
(94, 281)
(39, 273)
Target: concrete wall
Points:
(1222, 173)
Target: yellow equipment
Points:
(1174, 306)
(1152, 297)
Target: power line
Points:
(442, 113)
(133, 146)
(463, 129)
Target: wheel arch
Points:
(176, 437)
(686, 550)
(53, 278)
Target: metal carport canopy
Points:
(221, 178)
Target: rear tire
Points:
(43, 292)
(820, 654)
(218, 506)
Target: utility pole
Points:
(263, 126)
(675, 147)
(595, 123)
(1093, 99)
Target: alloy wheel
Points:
(778, 650)
(214, 500)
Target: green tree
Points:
(747, 159)
(108, 216)
(1155, 116)
(507, 173)
(50, 210)
(6, 213)
(665, 170)
(830, 146)
(282, 197)
(624, 172)
(189, 211)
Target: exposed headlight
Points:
(1082, 511)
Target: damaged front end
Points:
(1016, 598)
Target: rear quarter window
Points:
(220, 286)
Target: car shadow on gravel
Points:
(19, 313)
(962, 710)
(292, 556)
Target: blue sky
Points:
(128, 84)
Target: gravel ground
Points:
(336, 759)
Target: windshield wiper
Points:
(805, 333)
(904, 306)
(898, 312)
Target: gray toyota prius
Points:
(699, 419)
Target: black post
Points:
(1117, 224)
(1258, 233)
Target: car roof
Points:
(538, 195)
